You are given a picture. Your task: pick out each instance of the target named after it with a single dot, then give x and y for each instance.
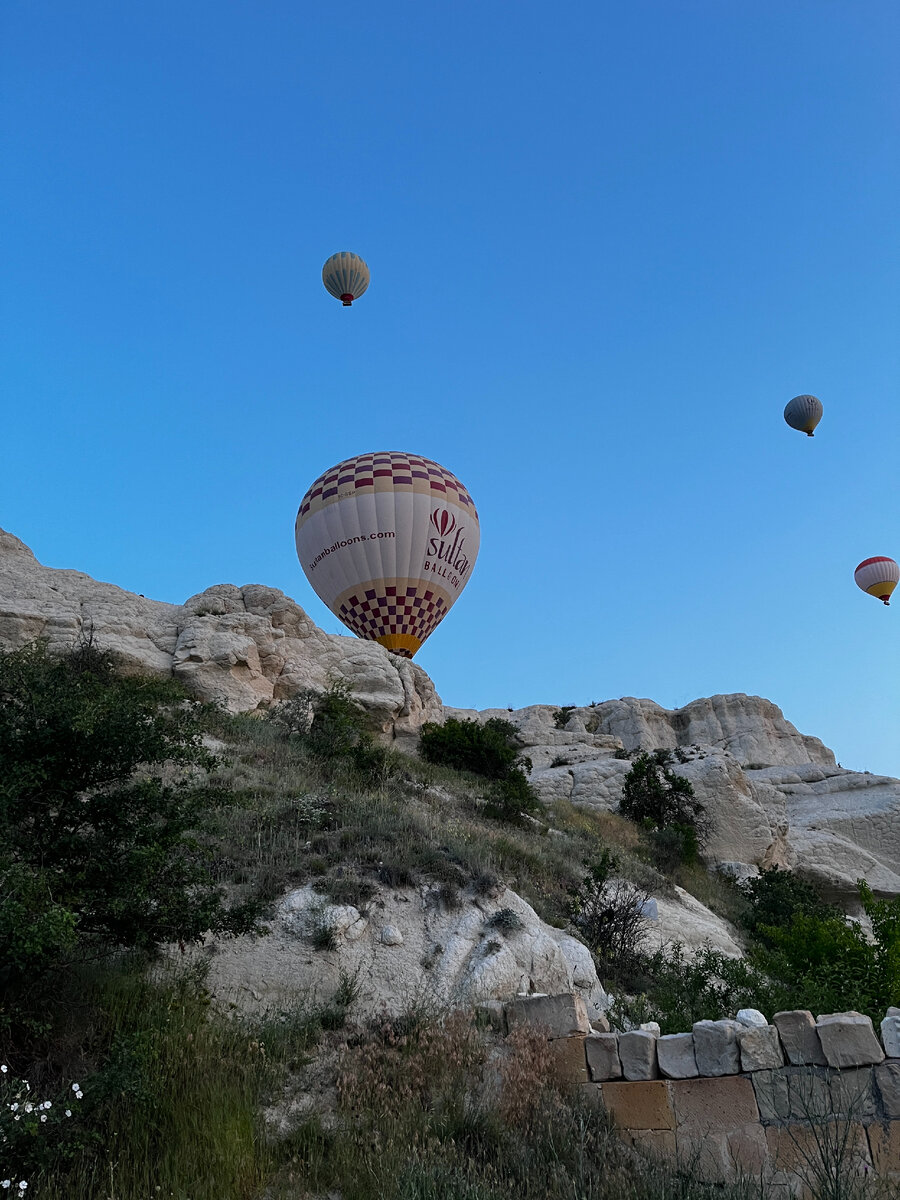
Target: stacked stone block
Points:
(740, 1096)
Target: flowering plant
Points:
(23, 1118)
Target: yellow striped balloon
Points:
(878, 577)
(345, 276)
(803, 413)
(388, 541)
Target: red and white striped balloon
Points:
(878, 577)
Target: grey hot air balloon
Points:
(345, 276)
(803, 413)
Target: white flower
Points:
(29, 1106)
(14, 1107)
(4, 1068)
(43, 1116)
(79, 1095)
(75, 1087)
(5, 1182)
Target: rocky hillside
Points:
(776, 795)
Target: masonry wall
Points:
(785, 1101)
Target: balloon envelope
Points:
(345, 276)
(388, 541)
(803, 413)
(878, 577)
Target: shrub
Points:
(331, 726)
(775, 896)
(706, 986)
(512, 798)
(823, 961)
(487, 750)
(561, 716)
(102, 798)
(608, 914)
(657, 798)
(673, 845)
(506, 920)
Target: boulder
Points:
(890, 1033)
(637, 1052)
(716, 1047)
(760, 1048)
(848, 1040)
(602, 1052)
(797, 1030)
(443, 958)
(562, 1016)
(675, 1055)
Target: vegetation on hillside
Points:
(121, 831)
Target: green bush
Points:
(487, 750)
(679, 990)
(825, 962)
(656, 798)
(775, 896)
(331, 726)
(102, 802)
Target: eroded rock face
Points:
(243, 647)
(432, 955)
(775, 796)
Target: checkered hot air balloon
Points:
(345, 276)
(388, 541)
(803, 413)
(878, 577)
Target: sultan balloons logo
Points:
(388, 541)
(443, 521)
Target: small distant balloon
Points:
(345, 276)
(803, 413)
(878, 577)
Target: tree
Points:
(103, 796)
(663, 802)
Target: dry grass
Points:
(438, 1110)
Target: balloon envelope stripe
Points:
(400, 468)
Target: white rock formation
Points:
(776, 797)
(432, 956)
(241, 647)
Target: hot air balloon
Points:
(345, 276)
(388, 542)
(878, 576)
(803, 413)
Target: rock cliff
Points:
(242, 647)
(776, 796)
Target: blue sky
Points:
(608, 244)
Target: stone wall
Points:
(785, 1101)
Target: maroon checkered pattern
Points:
(382, 471)
(402, 607)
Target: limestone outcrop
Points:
(243, 647)
(404, 949)
(776, 797)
